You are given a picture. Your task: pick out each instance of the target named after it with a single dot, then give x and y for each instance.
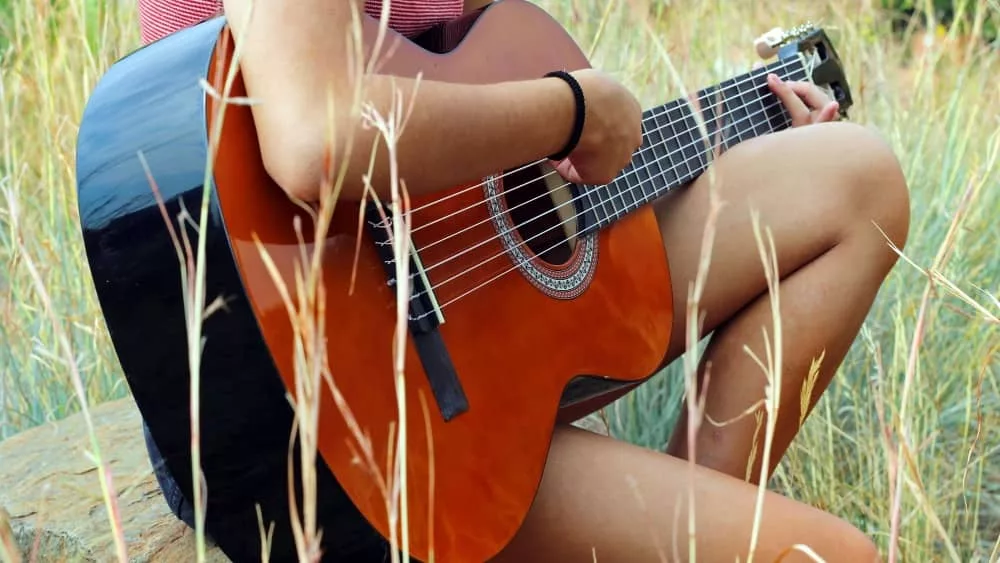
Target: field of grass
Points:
(919, 390)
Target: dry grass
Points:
(901, 445)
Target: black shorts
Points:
(347, 535)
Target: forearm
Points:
(453, 133)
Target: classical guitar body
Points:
(531, 297)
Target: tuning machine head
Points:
(811, 44)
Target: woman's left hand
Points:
(806, 103)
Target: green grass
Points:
(937, 106)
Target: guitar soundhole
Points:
(539, 203)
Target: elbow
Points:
(296, 153)
(301, 156)
(303, 164)
(293, 162)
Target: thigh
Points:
(607, 501)
(809, 185)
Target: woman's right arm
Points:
(295, 55)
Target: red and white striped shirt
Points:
(158, 18)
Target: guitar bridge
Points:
(424, 318)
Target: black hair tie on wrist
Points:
(581, 112)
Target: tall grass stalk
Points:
(904, 456)
(106, 481)
(772, 368)
(9, 552)
(307, 312)
(192, 270)
(693, 316)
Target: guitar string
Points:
(751, 76)
(536, 255)
(646, 166)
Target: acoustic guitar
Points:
(530, 296)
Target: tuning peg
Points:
(768, 43)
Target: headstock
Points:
(822, 63)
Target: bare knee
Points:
(876, 193)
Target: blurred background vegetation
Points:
(959, 14)
(923, 74)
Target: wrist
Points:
(553, 109)
(579, 113)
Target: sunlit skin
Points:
(826, 190)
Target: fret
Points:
(596, 210)
(679, 156)
(614, 192)
(609, 201)
(624, 191)
(644, 178)
(642, 165)
(598, 213)
(698, 144)
(712, 109)
(601, 218)
(689, 138)
(670, 145)
(603, 196)
(640, 179)
(728, 117)
(603, 204)
(752, 97)
(655, 149)
(618, 191)
(691, 144)
(633, 196)
(777, 115)
(747, 118)
(627, 191)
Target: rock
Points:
(51, 497)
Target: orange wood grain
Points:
(515, 348)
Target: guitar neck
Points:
(676, 150)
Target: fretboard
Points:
(675, 149)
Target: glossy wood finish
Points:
(515, 348)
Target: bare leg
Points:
(609, 501)
(819, 189)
